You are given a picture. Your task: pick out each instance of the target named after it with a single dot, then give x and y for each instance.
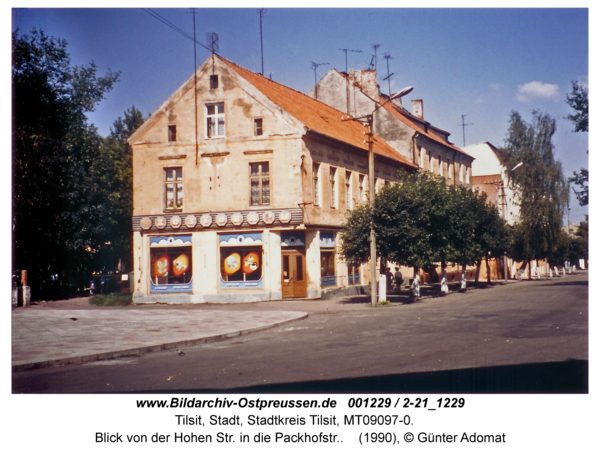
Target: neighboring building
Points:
(240, 186)
(423, 144)
(490, 176)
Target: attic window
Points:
(172, 133)
(258, 127)
(214, 81)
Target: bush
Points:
(112, 299)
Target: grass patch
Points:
(112, 299)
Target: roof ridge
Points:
(278, 83)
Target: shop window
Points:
(327, 268)
(258, 127)
(316, 185)
(260, 184)
(215, 120)
(240, 256)
(214, 81)
(173, 186)
(171, 264)
(172, 133)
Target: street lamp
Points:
(368, 120)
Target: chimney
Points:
(417, 108)
(367, 82)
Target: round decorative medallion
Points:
(206, 220)
(145, 223)
(221, 219)
(268, 217)
(237, 218)
(160, 222)
(252, 218)
(175, 221)
(190, 221)
(285, 217)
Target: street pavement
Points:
(342, 342)
(52, 333)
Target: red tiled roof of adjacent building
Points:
(408, 119)
(318, 116)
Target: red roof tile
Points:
(318, 116)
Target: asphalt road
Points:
(529, 337)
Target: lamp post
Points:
(368, 120)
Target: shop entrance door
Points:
(293, 277)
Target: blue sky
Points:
(482, 63)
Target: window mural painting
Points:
(171, 264)
(241, 260)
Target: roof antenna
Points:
(261, 11)
(346, 52)
(373, 62)
(314, 67)
(387, 57)
(463, 126)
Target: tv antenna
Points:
(387, 57)
(261, 11)
(463, 126)
(212, 41)
(373, 62)
(314, 67)
(346, 52)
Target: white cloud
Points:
(496, 87)
(537, 90)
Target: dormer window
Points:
(172, 133)
(214, 81)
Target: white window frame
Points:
(316, 184)
(362, 193)
(213, 120)
(333, 186)
(348, 190)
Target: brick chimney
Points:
(366, 81)
(417, 108)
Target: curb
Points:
(147, 349)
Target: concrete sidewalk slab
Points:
(45, 338)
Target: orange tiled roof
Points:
(318, 116)
(408, 119)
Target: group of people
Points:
(394, 279)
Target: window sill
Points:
(173, 210)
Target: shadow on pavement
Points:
(567, 377)
(579, 283)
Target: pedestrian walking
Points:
(398, 278)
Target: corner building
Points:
(241, 185)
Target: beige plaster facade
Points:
(225, 174)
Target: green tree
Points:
(578, 100)
(113, 172)
(55, 209)
(541, 185)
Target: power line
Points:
(173, 26)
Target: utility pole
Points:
(262, 63)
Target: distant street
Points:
(519, 337)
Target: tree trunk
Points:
(463, 278)
(487, 268)
(477, 272)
